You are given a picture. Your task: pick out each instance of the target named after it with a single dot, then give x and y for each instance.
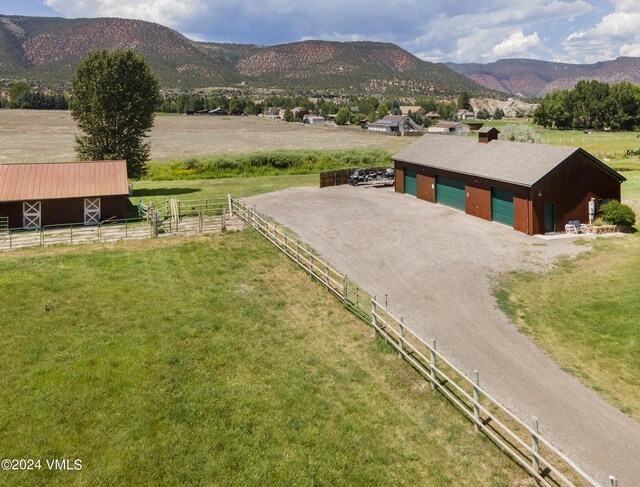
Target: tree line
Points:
(591, 105)
(21, 95)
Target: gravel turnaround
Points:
(436, 265)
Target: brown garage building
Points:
(534, 188)
(39, 194)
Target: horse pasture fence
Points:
(519, 439)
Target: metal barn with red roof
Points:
(33, 195)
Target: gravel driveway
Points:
(436, 264)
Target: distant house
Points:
(394, 124)
(414, 109)
(272, 113)
(314, 120)
(218, 111)
(434, 116)
(35, 195)
(465, 115)
(452, 128)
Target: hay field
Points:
(42, 136)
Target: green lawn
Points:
(212, 361)
(585, 315)
(217, 188)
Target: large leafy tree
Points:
(114, 97)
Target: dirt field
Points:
(436, 266)
(41, 136)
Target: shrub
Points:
(520, 133)
(297, 161)
(615, 213)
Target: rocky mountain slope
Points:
(49, 49)
(534, 78)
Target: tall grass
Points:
(268, 163)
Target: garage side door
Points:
(410, 182)
(450, 192)
(502, 206)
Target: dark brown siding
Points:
(426, 184)
(399, 179)
(478, 198)
(570, 186)
(56, 212)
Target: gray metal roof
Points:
(513, 162)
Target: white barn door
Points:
(32, 214)
(91, 211)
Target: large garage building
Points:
(533, 188)
(39, 194)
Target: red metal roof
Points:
(57, 180)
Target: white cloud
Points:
(616, 34)
(632, 50)
(516, 44)
(166, 12)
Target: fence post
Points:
(433, 364)
(10, 240)
(199, 221)
(374, 322)
(345, 290)
(535, 446)
(224, 223)
(297, 249)
(99, 232)
(311, 264)
(476, 400)
(286, 243)
(41, 237)
(613, 481)
(154, 224)
(401, 339)
(326, 274)
(126, 233)
(230, 205)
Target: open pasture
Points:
(213, 361)
(41, 136)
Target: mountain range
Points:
(534, 78)
(49, 49)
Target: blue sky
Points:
(435, 30)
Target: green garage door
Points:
(410, 184)
(502, 206)
(450, 192)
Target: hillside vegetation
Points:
(45, 48)
(212, 361)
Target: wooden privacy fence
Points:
(157, 220)
(341, 176)
(520, 440)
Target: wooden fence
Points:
(157, 220)
(341, 176)
(521, 440)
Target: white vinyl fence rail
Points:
(533, 452)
